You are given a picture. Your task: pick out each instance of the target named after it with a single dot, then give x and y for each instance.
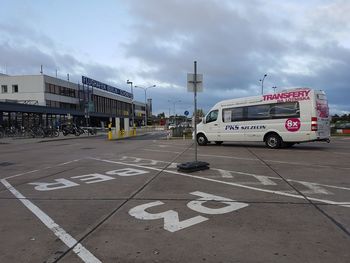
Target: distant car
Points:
(172, 126)
(185, 125)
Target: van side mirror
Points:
(203, 120)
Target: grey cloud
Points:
(20, 55)
(235, 44)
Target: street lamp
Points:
(132, 102)
(174, 102)
(262, 84)
(274, 89)
(145, 89)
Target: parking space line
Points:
(264, 179)
(66, 238)
(61, 164)
(16, 175)
(343, 204)
(255, 159)
(45, 168)
(208, 155)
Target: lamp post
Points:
(132, 102)
(262, 84)
(145, 89)
(174, 102)
(274, 89)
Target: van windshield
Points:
(212, 116)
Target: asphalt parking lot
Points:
(92, 200)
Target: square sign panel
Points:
(190, 82)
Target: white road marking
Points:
(16, 175)
(344, 204)
(59, 232)
(61, 164)
(256, 159)
(59, 183)
(45, 168)
(171, 217)
(208, 155)
(225, 173)
(264, 180)
(230, 205)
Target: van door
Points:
(212, 126)
(322, 111)
(233, 120)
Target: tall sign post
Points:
(195, 110)
(194, 84)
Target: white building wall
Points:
(29, 88)
(62, 83)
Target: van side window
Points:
(262, 112)
(233, 114)
(285, 110)
(258, 112)
(212, 116)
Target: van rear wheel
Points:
(202, 140)
(273, 141)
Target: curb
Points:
(70, 138)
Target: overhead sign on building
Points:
(106, 87)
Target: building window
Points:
(14, 88)
(3, 88)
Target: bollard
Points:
(110, 136)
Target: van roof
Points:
(252, 99)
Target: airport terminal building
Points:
(44, 100)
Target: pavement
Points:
(95, 200)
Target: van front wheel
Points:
(273, 141)
(202, 140)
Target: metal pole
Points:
(195, 110)
(132, 105)
(145, 108)
(132, 101)
(262, 84)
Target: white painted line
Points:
(45, 168)
(265, 180)
(59, 232)
(208, 155)
(307, 164)
(255, 159)
(16, 175)
(345, 204)
(225, 173)
(61, 164)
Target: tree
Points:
(161, 115)
(200, 113)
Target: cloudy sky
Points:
(154, 42)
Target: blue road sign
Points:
(186, 113)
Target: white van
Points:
(280, 120)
